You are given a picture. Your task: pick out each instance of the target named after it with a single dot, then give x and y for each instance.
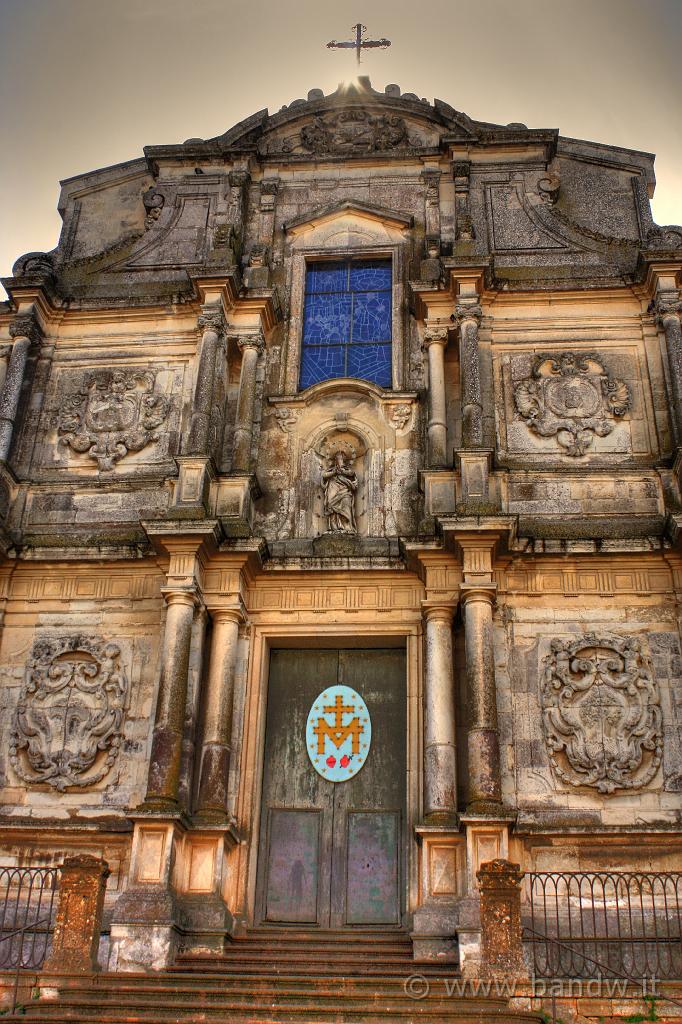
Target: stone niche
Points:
(373, 431)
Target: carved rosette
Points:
(68, 722)
(601, 713)
(111, 413)
(571, 397)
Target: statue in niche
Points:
(340, 487)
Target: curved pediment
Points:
(354, 121)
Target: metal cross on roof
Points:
(359, 43)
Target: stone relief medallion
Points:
(349, 132)
(111, 413)
(338, 733)
(601, 713)
(69, 718)
(571, 397)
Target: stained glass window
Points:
(347, 322)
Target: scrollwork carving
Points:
(111, 413)
(349, 132)
(601, 713)
(571, 397)
(68, 722)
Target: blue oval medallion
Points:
(338, 733)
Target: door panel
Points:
(333, 853)
(293, 866)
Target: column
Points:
(440, 774)
(217, 726)
(212, 323)
(501, 932)
(164, 767)
(468, 318)
(24, 330)
(250, 346)
(435, 340)
(668, 308)
(483, 740)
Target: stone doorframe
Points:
(311, 633)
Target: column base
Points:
(144, 934)
(443, 873)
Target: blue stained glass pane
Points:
(322, 363)
(370, 362)
(326, 319)
(326, 277)
(372, 316)
(370, 275)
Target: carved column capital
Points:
(188, 598)
(667, 309)
(250, 341)
(435, 335)
(439, 611)
(463, 313)
(25, 326)
(211, 318)
(471, 592)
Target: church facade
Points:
(340, 476)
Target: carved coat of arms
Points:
(601, 713)
(111, 413)
(69, 717)
(338, 733)
(348, 132)
(571, 397)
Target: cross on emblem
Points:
(359, 43)
(337, 748)
(338, 733)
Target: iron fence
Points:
(27, 901)
(583, 924)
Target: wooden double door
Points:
(332, 854)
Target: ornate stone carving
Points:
(25, 326)
(340, 485)
(268, 194)
(154, 203)
(667, 307)
(601, 714)
(286, 419)
(400, 416)
(571, 397)
(69, 718)
(435, 335)
(349, 132)
(462, 313)
(549, 187)
(111, 413)
(254, 340)
(211, 319)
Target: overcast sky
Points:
(87, 83)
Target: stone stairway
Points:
(278, 976)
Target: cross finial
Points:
(359, 43)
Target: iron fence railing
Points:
(582, 924)
(27, 902)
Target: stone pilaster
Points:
(435, 342)
(24, 330)
(75, 943)
(250, 346)
(468, 318)
(217, 724)
(440, 774)
(501, 939)
(212, 324)
(668, 309)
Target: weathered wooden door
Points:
(332, 853)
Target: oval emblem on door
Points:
(338, 733)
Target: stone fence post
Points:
(75, 942)
(501, 939)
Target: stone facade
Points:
(508, 510)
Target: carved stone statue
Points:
(340, 487)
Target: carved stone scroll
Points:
(110, 413)
(571, 397)
(68, 722)
(601, 713)
(349, 132)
